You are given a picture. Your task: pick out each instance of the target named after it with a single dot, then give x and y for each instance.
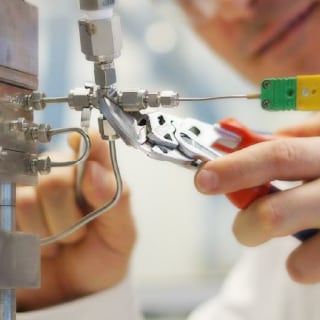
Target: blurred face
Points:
(261, 38)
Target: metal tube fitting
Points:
(133, 100)
(91, 5)
(101, 39)
(105, 74)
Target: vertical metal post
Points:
(18, 69)
(7, 223)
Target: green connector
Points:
(279, 94)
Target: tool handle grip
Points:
(242, 199)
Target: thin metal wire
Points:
(96, 213)
(85, 124)
(239, 96)
(86, 150)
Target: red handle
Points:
(247, 136)
(243, 198)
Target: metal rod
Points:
(235, 96)
(86, 149)
(85, 124)
(55, 100)
(98, 212)
(7, 223)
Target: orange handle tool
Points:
(241, 199)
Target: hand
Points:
(92, 259)
(283, 213)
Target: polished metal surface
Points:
(7, 223)
(96, 4)
(19, 44)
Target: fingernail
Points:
(206, 181)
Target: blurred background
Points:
(185, 247)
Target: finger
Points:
(28, 214)
(308, 128)
(30, 218)
(98, 185)
(303, 264)
(99, 148)
(281, 159)
(280, 214)
(99, 188)
(57, 196)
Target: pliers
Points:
(189, 142)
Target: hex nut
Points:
(133, 100)
(105, 75)
(36, 100)
(169, 99)
(154, 99)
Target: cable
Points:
(96, 213)
(240, 96)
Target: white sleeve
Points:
(260, 288)
(115, 303)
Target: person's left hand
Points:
(282, 213)
(92, 259)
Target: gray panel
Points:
(18, 41)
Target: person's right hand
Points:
(92, 259)
(296, 157)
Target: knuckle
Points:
(295, 272)
(235, 174)
(269, 216)
(238, 233)
(283, 153)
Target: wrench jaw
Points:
(184, 141)
(161, 141)
(170, 141)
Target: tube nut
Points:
(133, 100)
(169, 99)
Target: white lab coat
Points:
(258, 288)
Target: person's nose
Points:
(233, 10)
